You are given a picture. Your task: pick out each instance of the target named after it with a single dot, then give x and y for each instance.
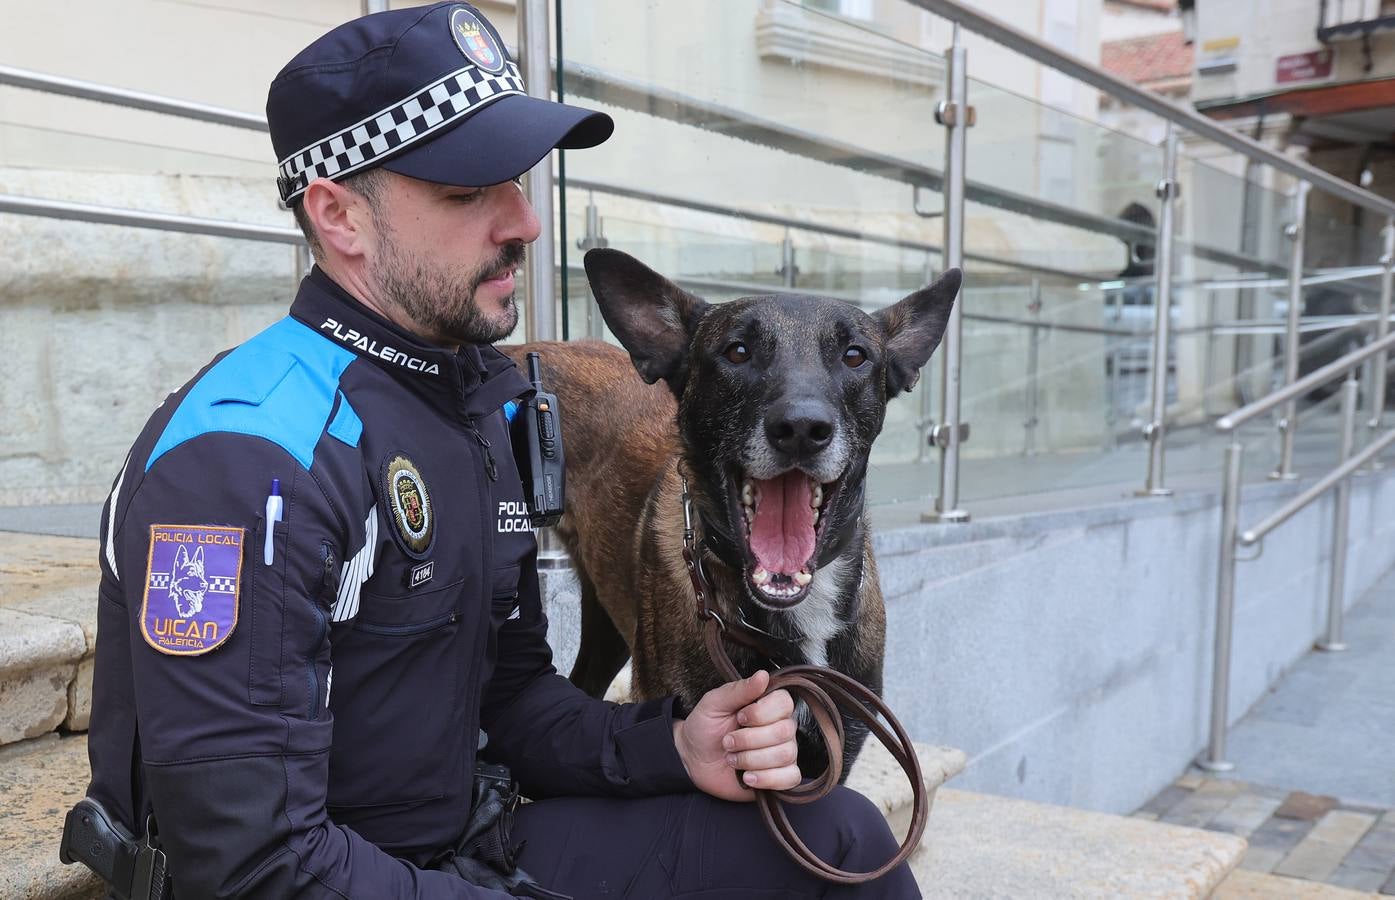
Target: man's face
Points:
(445, 256)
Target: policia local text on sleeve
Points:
(319, 603)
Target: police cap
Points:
(427, 92)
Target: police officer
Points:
(316, 605)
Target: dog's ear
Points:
(654, 318)
(913, 327)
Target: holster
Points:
(133, 869)
(484, 854)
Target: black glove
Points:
(484, 854)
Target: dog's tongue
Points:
(782, 535)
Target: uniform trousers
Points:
(693, 845)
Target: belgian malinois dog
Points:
(768, 407)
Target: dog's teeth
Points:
(760, 576)
(818, 514)
(816, 500)
(748, 496)
(802, 578)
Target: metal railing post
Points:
(1378, 381)
(301, 261)
(1156, 429)
(539, 289)
(593, 238)
(375, 6)
(1033, 400)
(1288, 421)
(954, 115)
(1341, 514)
(926, 423)
(1213, 759)
(789, 270)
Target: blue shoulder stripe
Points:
(280, 385)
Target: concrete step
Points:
(1243, 884)
(48, 627)
(981, 845)
(40, 780)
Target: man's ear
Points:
(339, 216)
(913, 327)
(654, 318)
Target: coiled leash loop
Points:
(824, 691)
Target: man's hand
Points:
(733, 727)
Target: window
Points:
(852, 9)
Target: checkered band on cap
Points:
(382, 134)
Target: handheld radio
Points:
(543, 469)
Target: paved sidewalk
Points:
(1314, 782)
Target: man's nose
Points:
(517, 221)
(800, 427)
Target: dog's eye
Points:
(737, 353)
(854, 357)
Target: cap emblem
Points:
(476, 41)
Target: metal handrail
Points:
(108, 215)
(601, 187)
(1305, 384)
(87, 90)
(1252, 536)
(1232, 537)
(1033, 48)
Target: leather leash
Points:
(824, 691)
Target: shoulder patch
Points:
(193, 577)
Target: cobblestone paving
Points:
(1291, 833)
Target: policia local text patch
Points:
(192, 578)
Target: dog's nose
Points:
(801, 427)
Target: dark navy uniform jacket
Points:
(309, 727)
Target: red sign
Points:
(1304, 66)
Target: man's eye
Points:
(464, 198)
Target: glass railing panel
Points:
(1231, 263)
(728, 174)
(1059, 239)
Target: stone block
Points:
(1305, 806)
(877, 776)
(1244, 814)
(38, 659)
(1319, 854)
(54, 579)
(1247, 885)
(40, 780)
(80, 696)
(980, 845)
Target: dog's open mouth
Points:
(783, 518)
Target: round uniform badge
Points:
(410, 503)
(476, 41)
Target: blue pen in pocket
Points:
(273, 515)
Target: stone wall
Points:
(102, 322)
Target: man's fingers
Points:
(734, 695)
(765, 758)
(759, 736)
(767, 710)
(781, 779)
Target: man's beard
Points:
(440, 298)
